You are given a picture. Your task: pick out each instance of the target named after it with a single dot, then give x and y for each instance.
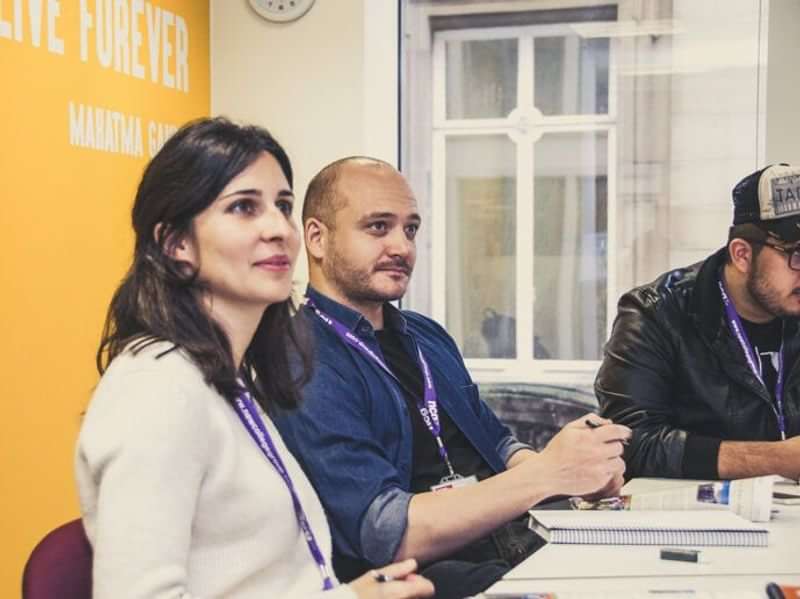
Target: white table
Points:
(661, 587)
(601, 569)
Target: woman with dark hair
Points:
(186, 488)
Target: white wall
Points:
(719, 114)
(783, 81)
(310, 82)
(715, 116)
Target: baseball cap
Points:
(770, 199)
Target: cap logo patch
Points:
(786, 195)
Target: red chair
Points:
(60, 566)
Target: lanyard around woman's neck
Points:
(736, 326)
(248, 413)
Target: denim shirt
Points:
(352, 433)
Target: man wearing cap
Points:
(702, 363)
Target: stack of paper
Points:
(786, 492)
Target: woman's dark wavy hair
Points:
(159, 300)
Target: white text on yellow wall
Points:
(132, 37)
(115, 132)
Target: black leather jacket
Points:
(675, 374)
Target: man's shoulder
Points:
(326, 344)
(671, 291)
(426, 328)
(422, 322)
(335, 365)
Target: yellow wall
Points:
(65, 236)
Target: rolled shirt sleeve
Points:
(384, 525)
(359, 484)
(509, 445)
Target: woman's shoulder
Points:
(153, 356)
(150, 406)
(154, 371)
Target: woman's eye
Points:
(243, 206)
(285, 206)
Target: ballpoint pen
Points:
(594, 425)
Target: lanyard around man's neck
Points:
(428, 405)
(736, 326)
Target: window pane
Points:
(570, 226)
(481, 78)
(571, 75)
(481, 245)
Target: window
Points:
(553, 151)
(521, 137)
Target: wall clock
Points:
(281, 11)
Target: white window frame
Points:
(524, 126)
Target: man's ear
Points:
(741, 253)
(316, 237)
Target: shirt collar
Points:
(352, 319)
(393, 318)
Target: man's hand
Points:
(612, 489)
(520, 456)
(579, 460)
(743, 459)
(791, 466)
(582, 460)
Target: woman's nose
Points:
(276, 225)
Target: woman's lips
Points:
(279, 263)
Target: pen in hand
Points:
(595, 425)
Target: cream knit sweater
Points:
(179, 502)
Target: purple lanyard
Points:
(735, 324)
(246, 410)
(428, 407)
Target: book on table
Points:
(700, 528)
(786, 492)
(751, 498)
(786, 498)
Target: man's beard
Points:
(765, 295)
(355, 283)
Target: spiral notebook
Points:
(647, 528)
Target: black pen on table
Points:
(782, 591)
(774, 591)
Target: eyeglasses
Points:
(793, 252)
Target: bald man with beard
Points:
(407, 459)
